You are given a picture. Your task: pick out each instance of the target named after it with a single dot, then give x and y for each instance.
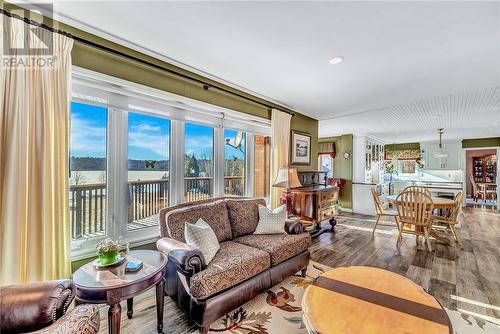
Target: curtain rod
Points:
(86, 42)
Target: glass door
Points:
(88, 201)
(148, 169)
(234, 162)
(198, 162)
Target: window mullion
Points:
(249, 165)
(117, 174)
(176, 175)
(219, 162)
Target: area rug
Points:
(275, 311)
(278, 310)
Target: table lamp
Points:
(287, 178)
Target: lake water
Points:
(87, 177)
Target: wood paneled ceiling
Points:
(473, 114)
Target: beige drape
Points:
(280, 148)
(34, 125)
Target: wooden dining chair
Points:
(418, 189)
(452, 218)
(415, 208)
(381, 212)
(490, 191)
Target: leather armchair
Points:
(41, 308)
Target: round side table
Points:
(368, 300)
(112, 285)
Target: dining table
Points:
(439, 203)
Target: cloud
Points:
(144, 136)
(87, 137)
(199, 145)
(143, 127)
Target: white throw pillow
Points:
(271, 222)
(201, 236)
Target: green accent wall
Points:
(481, 142)
(342, 168)
(401, 147)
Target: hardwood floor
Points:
(467, 279)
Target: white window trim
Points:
(117, 95)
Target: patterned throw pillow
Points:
(271, 222)
(201, 236)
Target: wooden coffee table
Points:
(366, 300)
(113, 284)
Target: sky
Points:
(148, 136)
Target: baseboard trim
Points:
(345, 209)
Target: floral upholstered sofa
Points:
(245, 265)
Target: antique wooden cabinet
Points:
(315, 203)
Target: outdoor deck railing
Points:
(88, 202)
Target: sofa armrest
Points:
(294, 227)
(83, 319)
(30, 307)
(186, 257)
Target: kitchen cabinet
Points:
(453, 161)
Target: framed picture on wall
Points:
(301, 148)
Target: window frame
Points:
(320, 158)
(121, 97)
(248, 164)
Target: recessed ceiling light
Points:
(336, 60)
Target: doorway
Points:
(481, 177)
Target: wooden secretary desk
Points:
(314, 202)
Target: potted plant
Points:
(109, 250)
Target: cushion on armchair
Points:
(83, 319)
(233, 264)
(280, 247)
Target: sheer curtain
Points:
(280, 148)
(34, 129)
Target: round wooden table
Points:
(366, 300)
(113, 284)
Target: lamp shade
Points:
(287, 178)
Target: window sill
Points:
(87, 253)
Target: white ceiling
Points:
(396, 53)
(469, 115)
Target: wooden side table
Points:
(368, 300)
(112, 285)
